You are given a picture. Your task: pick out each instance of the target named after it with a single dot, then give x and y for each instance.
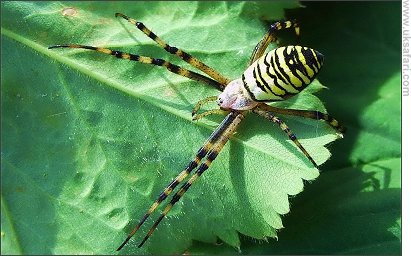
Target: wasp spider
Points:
(273, 76)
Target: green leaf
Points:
(89, 141)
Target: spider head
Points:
(235, 97)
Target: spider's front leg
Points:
(180, 53)
(147, 60)
(235, 117)
(210, 149)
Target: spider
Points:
(273, 76)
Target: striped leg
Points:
(148, 60)
(270, 116)
(312, 114)
(201, 169)
(173, 50)
(270, 37)
(202, 152)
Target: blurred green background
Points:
(353, 207)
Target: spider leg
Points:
(211, 155)
(209, 112)
(174, 50)
(270, 37)
(271, 117)
(148, 60)
(312, 114)
(216, 111)
(202, 102)
(202, 152)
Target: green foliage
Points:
(89, 141)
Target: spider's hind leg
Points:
(270, 37)
(312, 114)
(271, 117)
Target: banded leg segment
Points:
(181, 54)
(271, 117)
(202, 152)
(147, 60)
(312, 114)
(211, 155)
(270, 37)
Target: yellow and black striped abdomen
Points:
(282, 73)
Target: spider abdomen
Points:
(282, 73)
